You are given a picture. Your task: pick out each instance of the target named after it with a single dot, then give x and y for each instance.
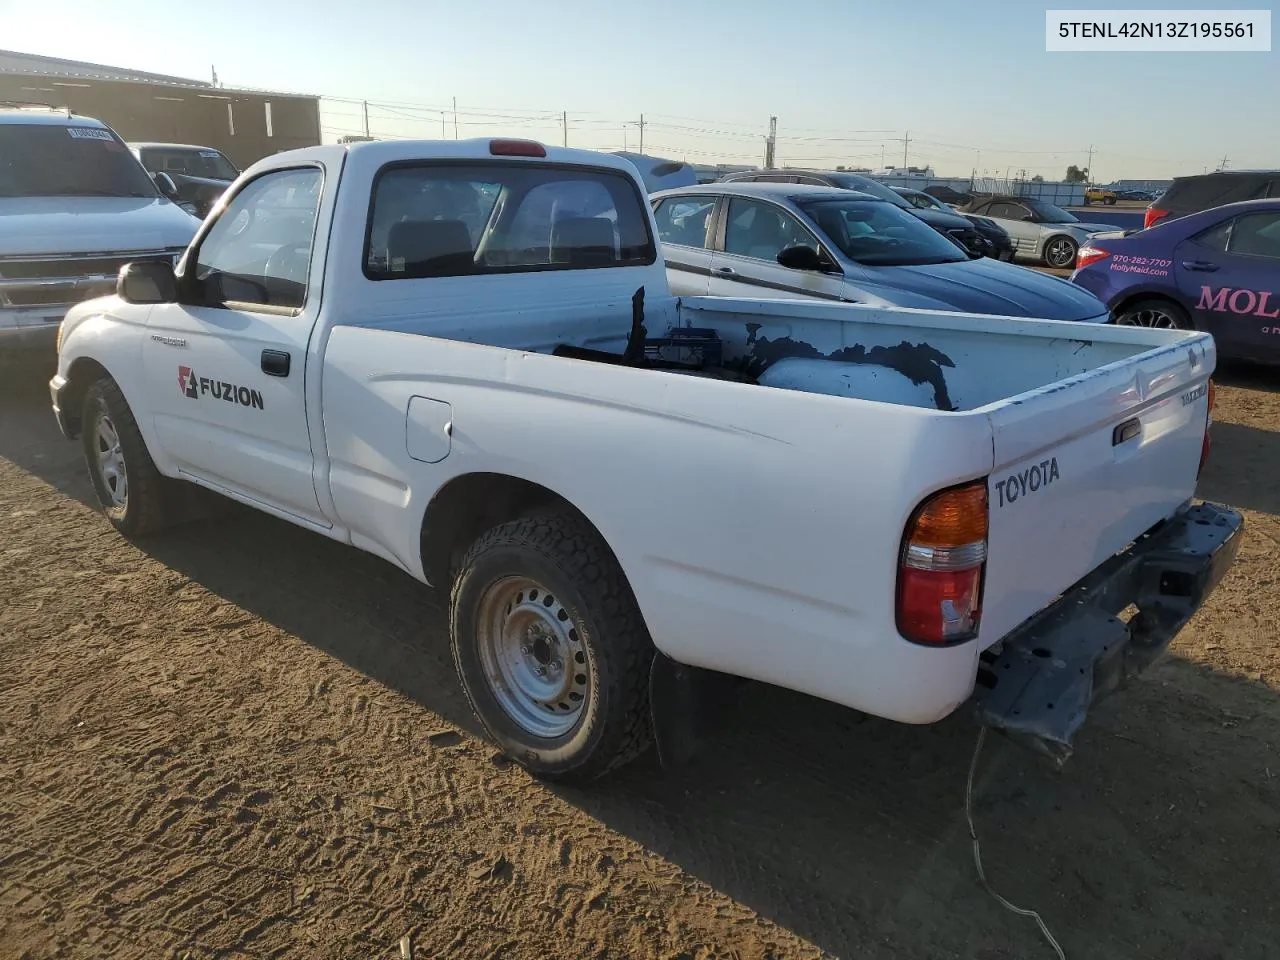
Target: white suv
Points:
(75, 205)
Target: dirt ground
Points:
(242, 740)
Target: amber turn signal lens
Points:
(952, 519)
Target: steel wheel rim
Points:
(111, 466)
(1060, 252)
(533, 657)
(1150, 317)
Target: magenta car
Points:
(1216, 271)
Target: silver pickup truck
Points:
(75, 206)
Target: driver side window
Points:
(761, 230)
(259, 250)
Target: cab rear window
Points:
(443, 220)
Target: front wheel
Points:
(134, 495)
(551, 648)
(1060, 252)
(1163, 314)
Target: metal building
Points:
(246, 125)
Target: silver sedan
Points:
(794, 241)
(1039, 229)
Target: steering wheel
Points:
(289, 262)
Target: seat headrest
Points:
(582, 240)
(429, 248)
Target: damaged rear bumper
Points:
(1038, 683)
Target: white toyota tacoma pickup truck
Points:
(463, 357)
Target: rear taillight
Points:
(1088, 255)
(940, 571)
(1153, 216)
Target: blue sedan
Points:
(790, 240)
(1216, 271)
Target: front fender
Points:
(102, 337)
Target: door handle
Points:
(275, 363)
(727, 271)
(1201, 266)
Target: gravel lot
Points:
(242, 740)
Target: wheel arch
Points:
(471, 503)
(82, 372)
(1131, 297)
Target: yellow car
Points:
(1098, 195)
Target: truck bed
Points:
(1022, 402)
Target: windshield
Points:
(189, 161)
(873, 187)
(881, 235)
(1048, 213)
(52, 160)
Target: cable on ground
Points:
(977, 857)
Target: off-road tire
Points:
(571, 560)
(149, 504)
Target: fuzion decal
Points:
(1242, 301)
(198, 387)
(1028, 481)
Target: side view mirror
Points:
(800, 257)
(147, 281)
(166, 184)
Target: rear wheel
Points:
(1060, 252)
(134, 495)
(550, 647)
(1163, 314)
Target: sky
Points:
(968, 86)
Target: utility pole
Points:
(642, 133)
(1222, 166)
(906, 139)
(455, 118)
(564, 120)
(444, 131)
(1089, 167)
(882, 159)
(366, 117)
(624, 138)
(771, 144)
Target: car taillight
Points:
(1088, 255)
(1153, 216)
(516, 148)
(940, 570)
